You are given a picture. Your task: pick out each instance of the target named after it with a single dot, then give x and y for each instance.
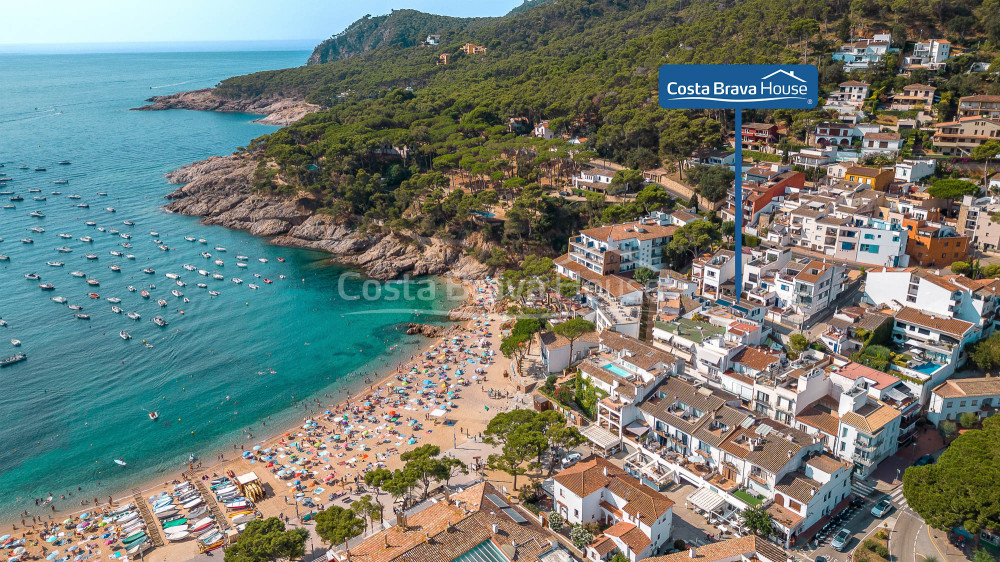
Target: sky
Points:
(282, 24)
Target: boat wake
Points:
(34, 115)
(169, 85)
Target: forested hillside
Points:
(400, 127)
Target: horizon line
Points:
(111, 47)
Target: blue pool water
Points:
(927, 368)
(226, 363)
(618, 370)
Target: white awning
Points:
(438, 413)
(706, 500)
(600, 437)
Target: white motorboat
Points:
(172, 276)
(237, 280)
(125, 335)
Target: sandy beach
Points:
(444, 395)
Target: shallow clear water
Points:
(80, 400)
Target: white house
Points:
(640, 519)
(555, 350)
(887, 143)
(542, 130)
(955, 397)
(915, 170)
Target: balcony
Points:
(863, 460)
(865, 446)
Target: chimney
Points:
(812, 491)
(401, 520)
(692, 553)
(605, 471)
(496, 528)
(427, 537)
(447, 495)
(386, 537)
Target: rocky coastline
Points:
(220, 190)
(276, 111)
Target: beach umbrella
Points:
(52, 555)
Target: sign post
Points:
(737, 86)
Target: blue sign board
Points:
(738, 86)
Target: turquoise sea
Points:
(81, 398)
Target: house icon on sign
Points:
(785, 72)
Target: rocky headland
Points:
(276, 111)
(220, 189)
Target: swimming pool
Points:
(618, 370)
(926, 368)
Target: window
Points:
(576, 513)
(869, 236)
(961, 404)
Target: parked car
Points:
(565, 193)
(840, 540)
(570, 459)
(925, 460)
(882, 507)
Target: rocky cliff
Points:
(220, 189)
(276, 111)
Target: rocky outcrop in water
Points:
(220, 189)
(426, 330)
(277, 111)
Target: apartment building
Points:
(856, 238)
(960, 138)
(764, 193)
(975, 218)
(935, 344)
(856, 427)
(945, 295)
(934, 244)
(914, 96)
(930, 54)
(620, 248)
(954, 397)
(979, 106)
(639, 519)
(715, 274)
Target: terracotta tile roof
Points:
(585, 478)
(453, 532)
(957, 388)
(630, 535)
(853, 83)
(883, 136)
(603, 545)
(950, 326)
(772, 451)
(784, 516)
(873, 422)
(639, 353)
(732, 549)
(637, 229)
(863, 172)
(827, 463)
(592, 475)
(919, 87)
(813, 271)
(979, 98)
(755, 359)
(822, 415)
(855, 371)
(798, 486)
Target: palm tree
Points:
(756, 520)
